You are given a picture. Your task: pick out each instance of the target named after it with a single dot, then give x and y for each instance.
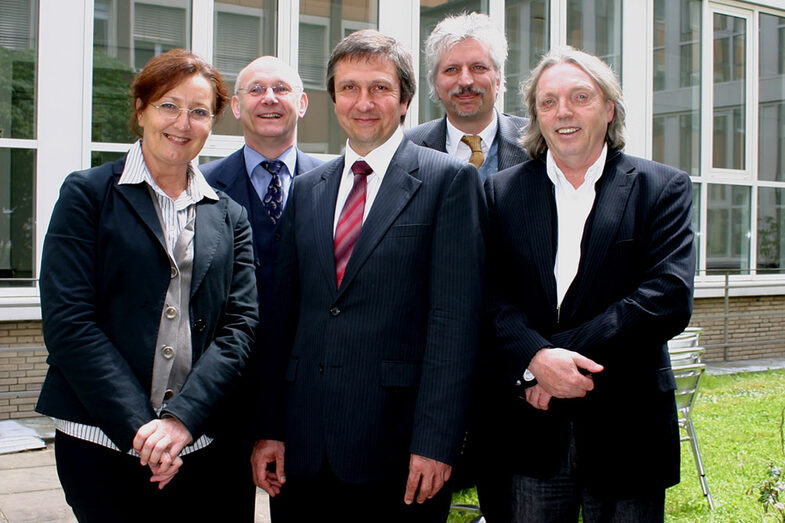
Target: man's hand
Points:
(266, 451)
(426, 477)
(558, 372)
(537, 397)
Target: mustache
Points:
(464, 90)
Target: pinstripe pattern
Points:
(97, 436)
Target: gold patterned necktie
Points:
(474, 141)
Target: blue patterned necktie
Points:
(273, 198)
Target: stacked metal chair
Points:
(686, 354)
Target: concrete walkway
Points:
(30, 490)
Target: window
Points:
(322, 24)
(528, 36)
(126, 34)
(18, 65)
(595, 27)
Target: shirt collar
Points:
(254, 158)
(593, 173)
(487, 135)
(379, 159)
(135, 172)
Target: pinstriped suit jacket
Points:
(382, 367)
(632, 292)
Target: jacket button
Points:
(169, 394)
(170, 313)
(277, 237)
(168, 352)
(321, 368)
(200, 325)
(173, 271)
(334, 311)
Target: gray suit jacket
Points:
(433, 135)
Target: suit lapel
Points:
(324, 194)
(208, 228)
(138, 197)
(398, 187)
(437, 137)
(538, 202)
(612, 197)
(507, 136)
(233, 180)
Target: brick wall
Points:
(757, 322)
(22, 368)
(755, 327)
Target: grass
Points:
(737, 419)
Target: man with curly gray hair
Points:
(465, 55)
(590, 272)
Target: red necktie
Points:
(351, 220)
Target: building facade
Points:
(704, 82)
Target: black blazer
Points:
(382, 367)
(433, 135)
(632, 292)
(104, 275)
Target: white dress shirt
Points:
(573, 207)
(379, 159)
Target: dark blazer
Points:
(104, 276)
(632, 292)
(231, 176)
(433, 135)
(382, 367)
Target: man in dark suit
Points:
(378, 306)
(465, 56)
(268, 101)
(590, 268)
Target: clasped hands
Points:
(426, 476)
(159, 443)
(560, 373)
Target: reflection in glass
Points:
(730, 43)
(594, 26)
(126, 34)
(771, 228)
(696, 223)
(676, 122)
(18, 56)
(431, 13)
(101, 157)
(243, 32)
(771, 105)
(323, 23)
(728, 227)
(17, 223)
(527, 26)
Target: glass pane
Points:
(730, 44)
(676, 136)
(771, 229)
(528, 36)
(595, 27)
(101, 157)
(18, 55)
(244, 30)
(431, 13)
(126, 35)
(771, 143)
(323, 23)
(696, 223)
(17, 222)
(728, 228)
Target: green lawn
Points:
(737, 419)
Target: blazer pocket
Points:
(401, 373)
(291, 370)
(665, 380)
(414, 229)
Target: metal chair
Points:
(689, 338)
(685, 355)
(688, 378)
